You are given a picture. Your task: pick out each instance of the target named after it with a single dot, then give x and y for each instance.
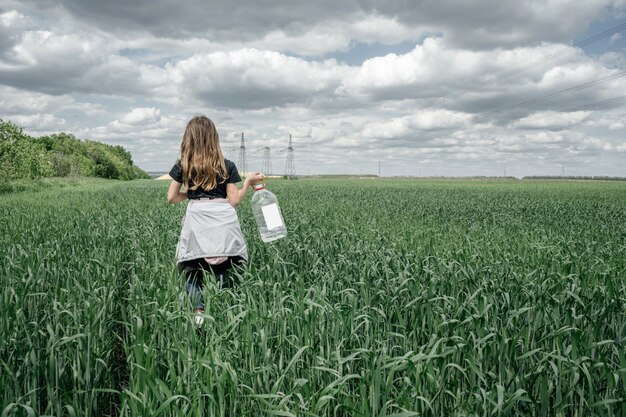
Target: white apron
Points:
(210, 229)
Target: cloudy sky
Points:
(425, 87)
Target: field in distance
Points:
(387, 298)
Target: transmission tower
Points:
(290, 165)
(267, 161)
(242, 157)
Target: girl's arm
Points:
(235, 195)
(174, 195)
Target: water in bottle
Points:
(267, 214)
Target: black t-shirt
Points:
(218, 192)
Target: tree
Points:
(22, 156)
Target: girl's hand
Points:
(254, 178)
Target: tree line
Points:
(61, 155)
(574, 177)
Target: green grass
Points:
(40, 184)
(388, 298)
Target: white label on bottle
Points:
(272, 216)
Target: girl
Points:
(211, 240)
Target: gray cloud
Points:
(132, 73)
(12, 24)
(218, 20)
(56, 63)
(250, 78)
(476, 24)
(497, 23)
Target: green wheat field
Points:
(388, 298)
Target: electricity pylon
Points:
(267, 161)
(290, 165)
(242, 157)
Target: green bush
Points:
(20, 156)
(61, 155)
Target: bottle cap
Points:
(259, 186)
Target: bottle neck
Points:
(259, 187)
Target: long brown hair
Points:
(201, 156)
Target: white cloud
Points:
(14, 101)
(14, 19)
(64, 63)
(415, 72)
(595, 144)
(304, 41)
(250, 78)
(440, 75)
(551, 120)
(45, 48)
(335, 36)
(414, 125)
(127, 74)
(142, 116)
(477, 24)
(443, 142)
(615, 37)
(612, 120)
(12, 23)
(313, 43)
(544, 137)
(40, 122)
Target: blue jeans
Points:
(197, 269)
(195, 283)
(193, 287)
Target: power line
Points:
(555, 94)
(561, 92)
(547, 97)
(537, 62)
(560, 52)
(597, 104)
